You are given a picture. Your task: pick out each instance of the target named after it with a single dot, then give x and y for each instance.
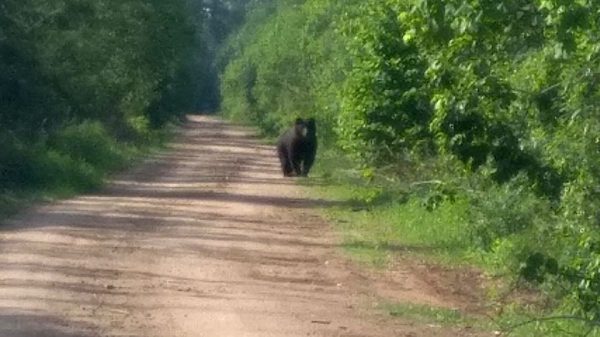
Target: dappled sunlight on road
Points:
(206, 231)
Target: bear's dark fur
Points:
(297, 148)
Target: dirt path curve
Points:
(204, 240)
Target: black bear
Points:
(297, 148)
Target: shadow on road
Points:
(214, 198)
(14, 323)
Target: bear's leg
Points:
(286, 165)
(309, 154)
(307, 164)
(296, 159)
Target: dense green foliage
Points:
(112, 61)
(79, 79)
(494, 102)
(86, 84)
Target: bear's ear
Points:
(298, 121)
(311, 123)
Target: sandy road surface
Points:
(205, 239)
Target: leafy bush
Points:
(34, 166)
(384, 115)
(89, 142)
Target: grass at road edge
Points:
(76, 160)
(378, 221)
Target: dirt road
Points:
(204, 240)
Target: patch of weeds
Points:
(9, 203)
(518, 321)
(372, 256)
(391, 225)
(428, 314)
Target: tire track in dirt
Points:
(203, 239)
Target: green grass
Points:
(405, 228)
(380, 220)
(514, 321)
(74, 160)
(428, 315)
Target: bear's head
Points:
(305, 128)
(299, 127)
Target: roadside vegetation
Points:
(465, 131)
(87, 86)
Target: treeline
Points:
(77, 76)
(86, 84)
(492, 102)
